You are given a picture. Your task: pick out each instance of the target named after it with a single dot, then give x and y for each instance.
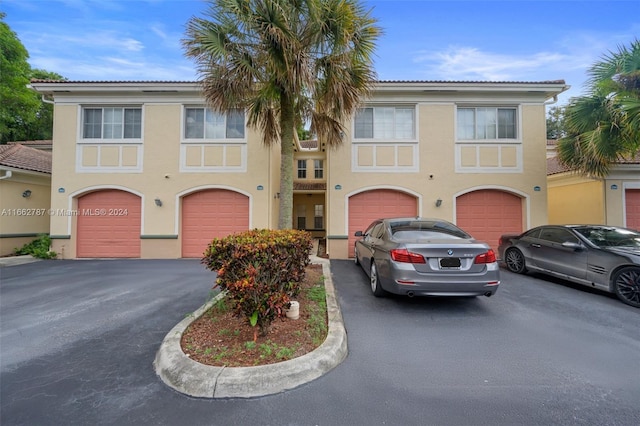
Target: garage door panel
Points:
(102, 235)
(210, 214)
(632, 203)
(487, 214)
(368, 206)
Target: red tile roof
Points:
(305, 186)
(45, 143)
(554, 166)
(22, 157)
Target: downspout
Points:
(47, 101)
(7, 175)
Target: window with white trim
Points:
(302, 169)
(385, 122)
(318, 216)
(318, 169)
(302, 216)
(487, 123)
(112, 123)
(202, 123)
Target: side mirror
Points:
(573, 246)
(358, 234)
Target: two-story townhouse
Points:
(144, 169)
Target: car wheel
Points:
(355, 253)
(376, 289)
(626, 284)
(515, 261)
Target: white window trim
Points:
(497, 169)
(517, 140)
(109, 169)
(242, 168)
(415, 139)
(184, 140)
(385, 169)
(99, 141)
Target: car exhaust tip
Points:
(488, 294)
(410, 294)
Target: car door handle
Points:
(535, 245)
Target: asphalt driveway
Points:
(78, 339)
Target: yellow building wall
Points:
(23, 218)
(161, 177)
(437, 177)
(576, 200)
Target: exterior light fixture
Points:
(26, 194)
(438, 202)
(338, 187)
(158, 202)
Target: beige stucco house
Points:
(614, 200)
(25, 195)
(144, 169)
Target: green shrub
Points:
(261, 270)
(38, 248)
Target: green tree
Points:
(23, 115)
(604, 126)
(555, 122)
(41, 127)
(286, 62)
(19, 104)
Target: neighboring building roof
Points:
(22, 157)
(41, 144)
(554, 166)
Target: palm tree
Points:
(285, 62)
(604, 125)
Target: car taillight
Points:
(405, 256)
(488, 257)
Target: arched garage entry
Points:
(211, 213)
(632, 207)
(488, 213)
(365, 207)
(109, 224)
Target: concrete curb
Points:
(203, 381)
(17, 260)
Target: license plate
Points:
(450, 262)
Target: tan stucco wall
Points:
(160, 178)
(437, 177)
(22, 219)
(574, 200)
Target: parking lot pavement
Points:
(78, 339)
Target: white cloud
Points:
(471, 63)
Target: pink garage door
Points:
(209, 214)
(368, 206)
(489, 213)
(632, 202)
(109, 224)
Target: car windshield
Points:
(420, 230)
(610, 237)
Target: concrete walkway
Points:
(198, 380)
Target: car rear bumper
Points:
(404, 281)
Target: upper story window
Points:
(202, 123)
(318, 169)
(388, 123)
(302, 169)
(487, 123)
(112, 123)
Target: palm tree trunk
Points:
(285, 218)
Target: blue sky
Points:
(423, 39)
